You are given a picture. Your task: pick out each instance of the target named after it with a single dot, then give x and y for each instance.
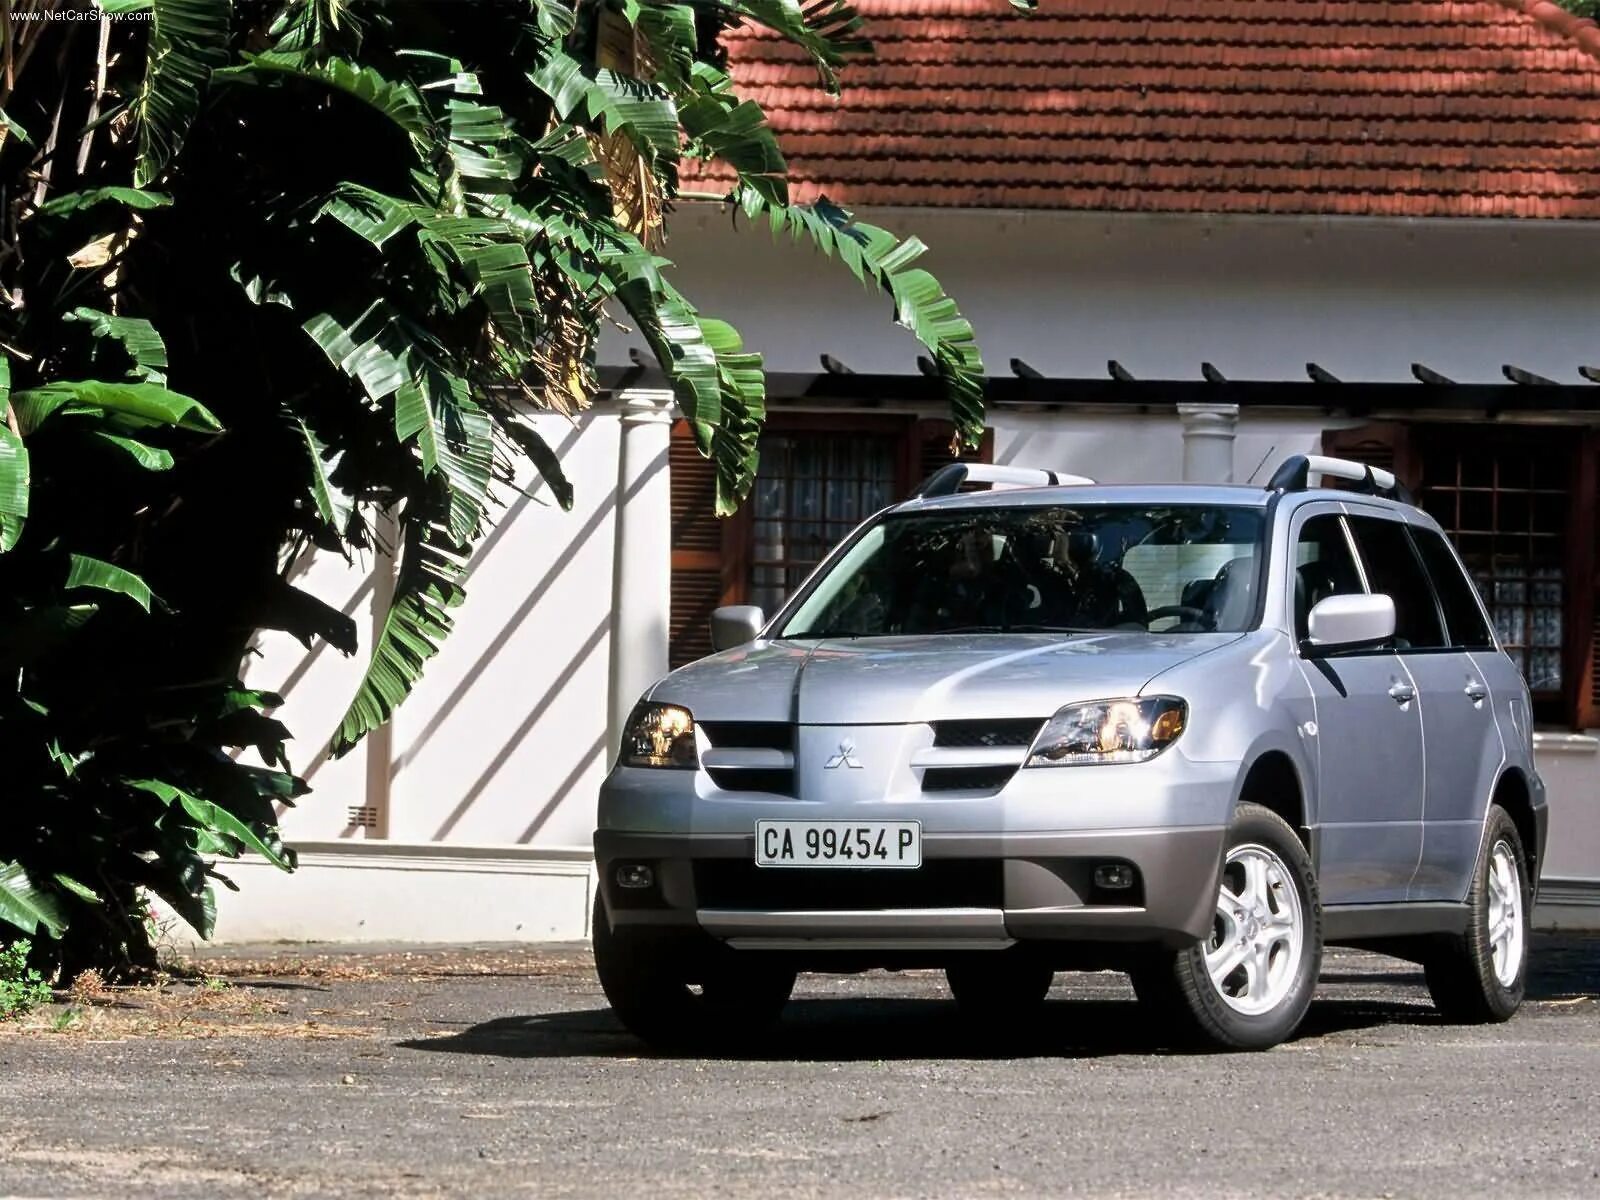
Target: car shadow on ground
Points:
(860, 1029)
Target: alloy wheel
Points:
(1258, 934)
(1505, 913)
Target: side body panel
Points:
(1367, 744)
(1463, 755)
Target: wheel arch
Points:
(1513, 793)
(1276, 781)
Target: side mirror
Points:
(1349, 623)
(735, 624)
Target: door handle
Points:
(1403, 693)
(1476, 691)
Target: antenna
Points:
(1259, 465)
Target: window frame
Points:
(1392, 518)
(1303, 517)
(1416, 531)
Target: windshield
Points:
(1168, 568)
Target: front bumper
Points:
(974, 891)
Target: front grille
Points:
(738, 884)
(971, 734)
(966, 779)
(751, 735)
(776, 780)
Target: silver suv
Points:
(1193, 733)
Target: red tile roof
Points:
(1370, 107)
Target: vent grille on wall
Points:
(363, 816)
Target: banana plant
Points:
(283, 275)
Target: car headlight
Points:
(1109, 731)
(659, 735)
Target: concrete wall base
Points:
(375, 891)
(1568, 906)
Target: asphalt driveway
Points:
(499, 1071)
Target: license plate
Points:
(838, 843)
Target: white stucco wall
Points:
(1259, 297)
(1122, 448)
(503, 741)
(507, 725)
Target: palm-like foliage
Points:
(277, 268)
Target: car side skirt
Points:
(1361, 924)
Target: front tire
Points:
(1481, 977)
(653, 991)
(1248, 983)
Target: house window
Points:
(1504, 501)
(811, 490)
(821, 474)
(1519, 503)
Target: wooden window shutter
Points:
(930, 449)
(697, 557)
(1581, 669)
(1384, 444)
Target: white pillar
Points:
(1208, 432)
(641, 579)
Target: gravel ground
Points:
(498, 1070)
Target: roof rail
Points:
(947, 481)
(1295, 476)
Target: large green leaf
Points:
(14, 481)
(131, 405)
(828, 30)
(427, 587)
(878, 258)
(720, 125)
(76, 202)
(86, 572)
(432, 402)
(217, 820)
(316, 26)
(10, 127)
(188, 41)
(671, 326)
(398, 100)
(333, 505)
(25, 906)
(151, 458)
(370, 350)
(612, 102)
(137, 337)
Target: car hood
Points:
(903, 680)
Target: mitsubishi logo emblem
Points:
(845, 758)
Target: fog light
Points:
(1113, 876)
(635, 875)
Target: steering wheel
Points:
(1189, 613)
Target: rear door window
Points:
(1394, 570)
(1463, 615)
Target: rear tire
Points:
(652, 991)
(1248, 984)
(999, 989)
(1481, 976)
